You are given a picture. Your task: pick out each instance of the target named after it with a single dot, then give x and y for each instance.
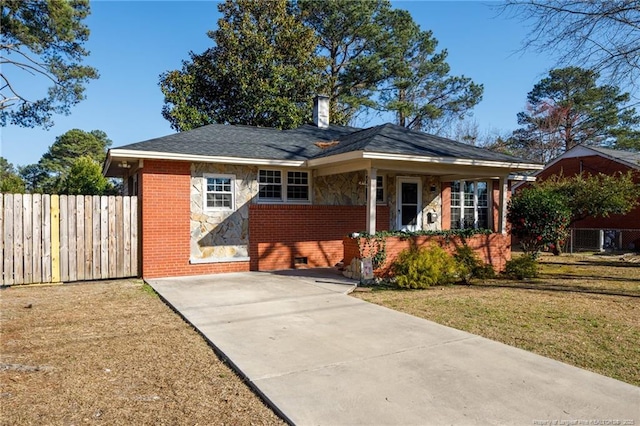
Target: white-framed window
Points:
(219, 192)
(281, 186)
(270, 185)
(469, 204)
(380, 192)
(297, 186)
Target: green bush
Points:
(522, 267)
(425, 267)
(539, 216)
(470, 266)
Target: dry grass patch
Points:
(583, 310)
(112, 353)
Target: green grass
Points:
(582, 310)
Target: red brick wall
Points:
(279, 233)
(494, 249)
(595, 164)
(446, 205)
(166, 210)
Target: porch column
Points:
(371, 200)
(503, 182)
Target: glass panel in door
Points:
(409, 206)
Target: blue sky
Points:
(132, 43)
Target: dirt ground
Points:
(112, 353)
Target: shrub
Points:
(539, 217)
(470, 265)
(425, 267)
(522, 267)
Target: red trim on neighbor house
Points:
(494, 249)
(280, 233)
(165, 200)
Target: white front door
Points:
(409, 202)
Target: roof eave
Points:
(157, 155)
(355, 155)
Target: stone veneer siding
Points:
(221, 235)
(431, 201)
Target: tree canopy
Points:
(541, 214)
(10, 181)
(262, 71)
(70, 155)
(418, 87)
(271, 58)
(603, 35)
(43, 39)
(568, 108)
(595, 195)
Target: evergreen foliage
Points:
(44, 39)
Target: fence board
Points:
(27, 237)
(37, 238)
(119, 232)
(46, 238)
(112, 237)
(79, 220)
(8, 239)
(73, 248)
(18, 248)
(126, 231)
(134, 237)
(2, 238)
(64, 238)
(88, 237)
(104, 237)
(96, 239)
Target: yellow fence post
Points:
(55, 238)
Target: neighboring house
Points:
(615, 231)
(224, 198)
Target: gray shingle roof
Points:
(300, 143)
(628, 156)
(394, 139)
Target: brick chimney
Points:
(321, 111)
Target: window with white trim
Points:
(469, 205)
(219, 192)
(270, 185)
(297, 186)
(379, 189)
(273, 188)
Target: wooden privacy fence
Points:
(51, 238)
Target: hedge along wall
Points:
(494, 249)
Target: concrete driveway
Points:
(321, 357)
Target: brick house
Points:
(223, 198)
(591, 233)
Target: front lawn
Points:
(583, 310)
(111, 352)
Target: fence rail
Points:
(50, 238)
